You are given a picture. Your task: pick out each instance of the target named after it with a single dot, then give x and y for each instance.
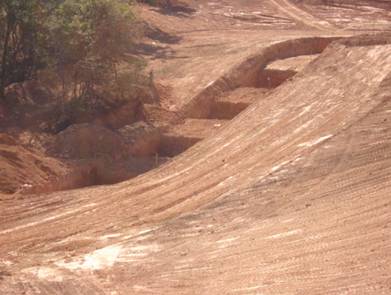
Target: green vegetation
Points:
(83, 45)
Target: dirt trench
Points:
(223, 100)
(234, 92)
(250, 72)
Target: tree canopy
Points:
(83, 42)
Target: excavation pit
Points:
(183, 136)
(273, 78)
(231, 104)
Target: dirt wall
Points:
(171, 146)
(247, 73)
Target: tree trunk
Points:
(3, 73)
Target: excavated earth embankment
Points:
(290, 197)
(103, 156)
(251, 71)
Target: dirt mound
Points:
(89, 141)
(22, 169)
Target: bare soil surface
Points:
(289, 195)
(292, 64)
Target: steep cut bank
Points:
(226, 98)
(250, 72)
(111, 158)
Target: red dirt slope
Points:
(292, 196)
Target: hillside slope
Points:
(290, 197)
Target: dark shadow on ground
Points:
(156, 51)
(176, 8)
(161, 36)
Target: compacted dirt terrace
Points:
(278, 179)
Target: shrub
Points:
(84, 44)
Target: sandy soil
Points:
(291, 196)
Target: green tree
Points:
(86, 43)
(90, 39)
(20, 42)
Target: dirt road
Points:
(302, 17)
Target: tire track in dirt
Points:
(301, 16)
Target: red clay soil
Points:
(290, 197)
(22, 168)
(294, 63)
